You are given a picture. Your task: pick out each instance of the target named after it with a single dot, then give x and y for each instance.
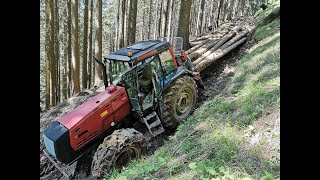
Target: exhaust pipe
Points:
(104, 72)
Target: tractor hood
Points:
(87, 109)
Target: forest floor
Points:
(234, 132)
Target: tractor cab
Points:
(144, 68)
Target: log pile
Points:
(211, 46)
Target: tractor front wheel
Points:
(117, 150)
(179, 101)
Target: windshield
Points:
(117, 69)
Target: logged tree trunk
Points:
(132, 22)
(84, 74)
(215, 47)
(197, 46)
(216, 55)
(75, 48)
(202, 49)
(184, 19)
(235, 39)
(98, 39)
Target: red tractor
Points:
(148, 82)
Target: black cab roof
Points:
(140, 50)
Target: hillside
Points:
(235, 133)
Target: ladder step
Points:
(155, 128)
(154, 124)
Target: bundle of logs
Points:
(211, 46)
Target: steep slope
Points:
(235, 133)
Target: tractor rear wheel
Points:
(179, 101)
(117, 150)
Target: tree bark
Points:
(75, 47)
(169, 9)
(65, 52)
(132, 22)
(216, 55)
(197, 46)
(70, 81)
(98, 39)
(90, 62)
(219, 11)
(123, 11)
(160, 19)
(53, 60)
(215, 47)
(57, 53)
(155, 22)
(150, 15)
(184, 18)
(48, 49)
(85, 46)
(166, 16)
(204, 48)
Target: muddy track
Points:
(214, 78)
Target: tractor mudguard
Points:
(179, 72)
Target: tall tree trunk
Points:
(201, 15)
(90, 62)
(143, 18)
(155, 22)
(160, 18)
(123, 11)
(173, 16)
(219, 12)
(53, 60)
(70, 82)
(184, 19)
(65, 52)
(98, 39)
(166, 17)
(48, 48)
(118, 26)
(75, 47)
(57, 53)
(169, 9)
(132, 21)
(150, 15)
(84, 74)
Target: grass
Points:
(212, 143)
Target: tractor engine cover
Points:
(66, 136)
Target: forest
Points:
(72, 32)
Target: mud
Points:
(214, 79)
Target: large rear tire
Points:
(179, 101)
(117, 150)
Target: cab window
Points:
(167, 62)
